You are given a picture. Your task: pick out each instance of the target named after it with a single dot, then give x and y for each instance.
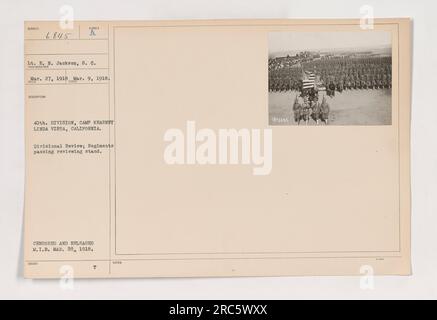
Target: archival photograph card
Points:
(217, 148)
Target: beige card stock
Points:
(217, 148)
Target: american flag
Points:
(310, 80)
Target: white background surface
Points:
(423, 283)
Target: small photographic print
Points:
(330, 78)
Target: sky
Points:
(301, 41)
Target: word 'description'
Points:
(226, 146)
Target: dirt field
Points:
(351, 107)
